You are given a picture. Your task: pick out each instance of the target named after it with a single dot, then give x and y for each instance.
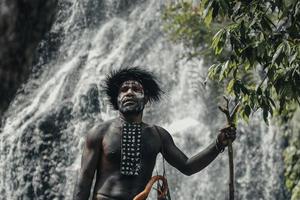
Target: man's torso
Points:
(110, 183)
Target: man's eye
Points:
(137, 89)
(124, 89)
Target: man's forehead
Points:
(132, 82)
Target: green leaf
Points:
(244, 89)
(272, 102)
(224, 5)
(230, 85)
(277, 53)
(265, 116)
(244, 116)
(236, 88)
(203, 5)
(271, 111)
(288, 48)
(223, 71)
(293, 57)
(208, 17)
(265, 23)
(214, 70)
(247, 110)
(259, 91)
(218, 41)
(247, 65)
(217, 37)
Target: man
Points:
(123, 151)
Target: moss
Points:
(296, 192)
(292, 159)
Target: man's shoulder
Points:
(160, 130)
(106, 124)
(96, 133)
(164, 135)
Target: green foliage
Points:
(254, 45)
(292, 159)
(292, 156)
(184, 24)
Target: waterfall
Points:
(42, 136)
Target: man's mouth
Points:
(128, 102)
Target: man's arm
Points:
(89, 162)
(189, 166)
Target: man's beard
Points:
(136, 108)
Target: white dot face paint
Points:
(131, 98)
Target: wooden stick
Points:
(231, 171)
(230, 122)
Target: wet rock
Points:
(39, 157)
(23, 24)
(89, 103)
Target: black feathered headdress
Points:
(115, 79)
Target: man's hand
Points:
(226, 134)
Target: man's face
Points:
(131, 98)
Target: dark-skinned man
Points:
(122, 152)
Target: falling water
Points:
(41, 140)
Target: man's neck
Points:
(131, 117)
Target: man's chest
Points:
(113, 144)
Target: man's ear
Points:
(146, 99)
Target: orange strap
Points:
(144, 194)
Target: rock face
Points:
(23, 24)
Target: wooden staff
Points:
(230, 122)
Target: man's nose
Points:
(129, 92)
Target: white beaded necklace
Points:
(131, 149)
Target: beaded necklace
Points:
(131, 149)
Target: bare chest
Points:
(112, 142)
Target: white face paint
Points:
(131, 98)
